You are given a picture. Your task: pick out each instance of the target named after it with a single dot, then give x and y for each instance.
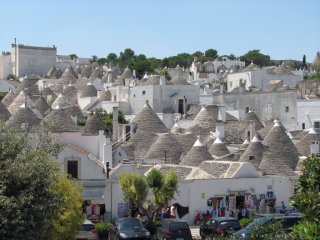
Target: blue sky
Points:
(283, 29)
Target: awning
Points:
(91, 193)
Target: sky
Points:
(283, 29)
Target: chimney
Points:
(242, 114)
(252, 129)
(109, 78)
(107, 151)
(221, 88)
(222, 113)
(220, 131)
(315, 147)
(115, 124)
(162, 81)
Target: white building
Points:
(308, 113)
(253, 76)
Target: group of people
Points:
(169, 212)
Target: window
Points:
(72, 168)
(251, 157)
(230, 84)
(303, 126)
(143, 92)
(247, 109)
(316, 124)
(287, 109)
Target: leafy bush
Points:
(2, 95)
(103, 229)
(81, 122)
(270, 231)
(245, 221)
(306, 230)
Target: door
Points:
(180, 106)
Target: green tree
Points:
(135, 189)
(307, 195)
(256, 57)
(93, 59)
(304, 63)
(30, 203)
(211, 54)
(107, 117)
(163, 186)
(112, 57)
(232, 56)
(102, 61)
(73, 56)
(70, 217)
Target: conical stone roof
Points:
(4, 113)
(316, 61)
(282, 69)
(148, 124)
(176, 129)
(46, 91)
(253, 152)
(8, 98)
(89, 91)
(81, 83)
(94, 125)
(106, 95)
(197, 154)
(58, 121)
(280, 156)
(29, 87)
(60, 101)
(86, 72)
(68, 77)
(303, 146)
(218, 148)
(23, 115)
(166, 148)
(42, 106)
(18, 101)
(71, 94)
(74, 111)
(244, 145)
(97, 73)
(203, 123)
(250, 67)
(148, 120)
(127, 73)
(251, 116)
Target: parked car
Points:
(128, 228)
(172, 229)
(219, 226)
(87, 231)
(287, 221)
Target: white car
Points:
(87, 231)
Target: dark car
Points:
(287, 221)
(128, 228)
(219, 226)
(171, 229)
